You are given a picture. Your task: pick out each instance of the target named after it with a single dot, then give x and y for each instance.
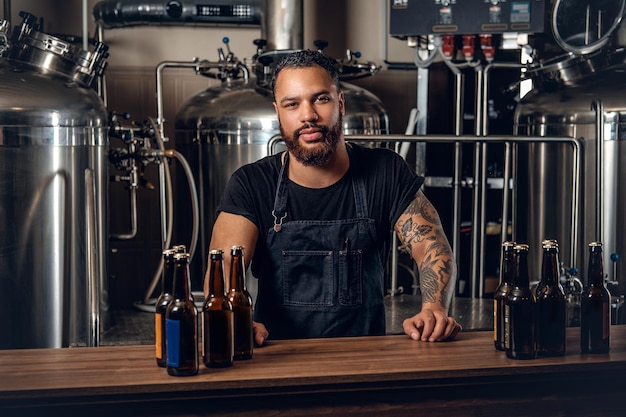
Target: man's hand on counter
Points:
(431, 325)
(260, 333)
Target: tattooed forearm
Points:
(420, 231)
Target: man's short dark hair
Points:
(307, 58)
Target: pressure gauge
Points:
(584, 26)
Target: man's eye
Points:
(324, 99)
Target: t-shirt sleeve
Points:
(407, 184)
(235, 199)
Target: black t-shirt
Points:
(390, 186)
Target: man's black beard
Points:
(314, 157)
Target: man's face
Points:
(309, 109)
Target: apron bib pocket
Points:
(308, 278)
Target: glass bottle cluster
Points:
(531, 323)
(227, 333)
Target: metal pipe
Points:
(159, 86)
(459, 88)
(506, 192)
(507, 146)
(598, 107)
(478, 230)
(85, 21)
(132, 196)
(393, 286)
(93, 286)
(421, 122)
(282, 24)
(7, 10)
(101, 87)
(485, 98)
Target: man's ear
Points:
(342, 103)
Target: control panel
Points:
(115, 13)
(432, 17)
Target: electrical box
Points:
(123, 13)
(439, 17)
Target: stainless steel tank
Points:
(570, 112)
(226, 126)
(581, 95)
(53, 182)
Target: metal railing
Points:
(480, 185)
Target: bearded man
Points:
(316, 221)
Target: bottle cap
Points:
(521, 247)
(549, 243)
(181, 256)
(168, 252)
(180, 248)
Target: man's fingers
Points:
(431, 326)
(260, 333)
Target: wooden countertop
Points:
(389, 374)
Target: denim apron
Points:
(321, 278)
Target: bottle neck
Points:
(237, 280)
(216, 281)
(520, 279)
(167, 283)
(550, 267)
(595, 273)
(181, 281)
(508, 267)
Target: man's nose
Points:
(309, 114)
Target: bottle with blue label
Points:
(181, 323)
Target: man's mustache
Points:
(323, 129)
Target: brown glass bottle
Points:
(181, 323)
(217, 313)
(595, 306)
(550, 311)
(242, 305)
(519, 310)
(167, 286)
(507, 269)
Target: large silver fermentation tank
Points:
(53, 182)
(581, 94)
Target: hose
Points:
(148, 303)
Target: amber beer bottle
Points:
(595, 306)
(519, 310)
(242, 305)
(181, 323)
(217, 314)
(167, 286)
(550, 312)
(507, 269)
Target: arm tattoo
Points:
(420, 231)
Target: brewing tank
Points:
(53, 164)
(593, 108)
(228, 125)
(579, 94)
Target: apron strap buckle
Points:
(278, 223)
